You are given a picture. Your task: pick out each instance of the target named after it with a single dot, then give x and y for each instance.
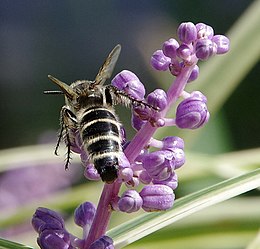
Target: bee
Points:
(89, 109)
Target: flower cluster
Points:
(155, 170)
(52, 233)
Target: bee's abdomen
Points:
(100, 133)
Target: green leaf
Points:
(255, 244)
(148, 223)
(7, 244)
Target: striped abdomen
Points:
(100, 131)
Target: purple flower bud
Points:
(91, 173)
(54, 239)
(222, 43)
(199, 95)
(171, 182)
(187, 32)
(191, 113)
(194, 74)
(159, 61)
(84, 214)
(129, 83)
(159, 164)
(130, 201)
(144, 177)
(125, 174)
(157, 98)
(104, 242)
(184, 51)
(179, 157)
(169, 48)
(157, 197)
(204, 31)
(170, 143)
(45, 218)
(205, 49)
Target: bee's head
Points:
(80, 93)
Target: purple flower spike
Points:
(222, 43)
(45, 218)
(84, 214)
(205, 49)
(170, 143)
(194, 74)
(54, 239)
(130, 201)
(159, 61)
(157, 197)
(187, 32)
(171, 182)
(204, 31)
(129, 83)
(191, 113)
(104, 242)
(157, 98)
(169, 48)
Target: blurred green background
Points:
(70, 39)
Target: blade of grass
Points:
(7, 244)
(151, 222)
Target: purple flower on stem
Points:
(45, 218)
(204, 31)
(171, 182)
(192, 113)
(130, 201)
(104, 242)
(157, 197)
(159, 61)
(156, 170)
(205, 49)
(54, 239)
(129, 83)
(187, 32)
(170, 48)
(222, 43)
(84, 215)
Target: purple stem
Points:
(140, 140)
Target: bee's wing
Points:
(107, 68)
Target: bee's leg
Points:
(68, 121)
(115, 96)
